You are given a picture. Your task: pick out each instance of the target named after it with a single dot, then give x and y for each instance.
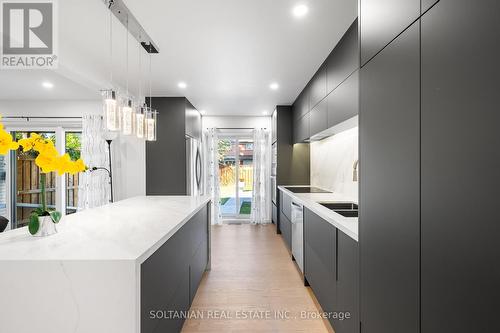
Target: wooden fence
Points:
(29, 192)
(227, 176)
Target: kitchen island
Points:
(107, 269)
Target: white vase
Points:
(47, 227)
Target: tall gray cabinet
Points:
(166, 168)
(429, 166)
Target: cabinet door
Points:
(286, 231)
(319, 258)
(287, 206)
(319, 118)
(426, 4)
(318, 86)
(343, 102)
(197, 268)
(301, 128)
(301, 105)
(460, 167)
(381, 21)
(389, 171)
(347, 283)
(344, 58)
(275, 214)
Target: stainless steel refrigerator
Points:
(194, 167)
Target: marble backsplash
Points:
(332, 161)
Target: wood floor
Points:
(252, 275)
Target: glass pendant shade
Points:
(111, 111)
(151, 122)
(128, 119)
(140, 122)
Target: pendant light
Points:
(151, 114)
(110, 106)
(128, 113)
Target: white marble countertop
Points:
(131, 229)
(348, 225)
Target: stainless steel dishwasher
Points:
(298, 234)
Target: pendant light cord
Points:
(110, 45)
(140, 73)
(126, 43)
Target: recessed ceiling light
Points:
(203, 112)
(265, 113)
(274, 86)
(47, 85)
(182, 85)
(300, 10)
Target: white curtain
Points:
(261, 197)
(212, 167)
(94, 188)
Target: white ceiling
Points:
(227, 51)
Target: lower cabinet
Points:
(170, 276)
(286, 230)
(347, 283)
(331, 268)
(275, 214)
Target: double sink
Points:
(346, 209)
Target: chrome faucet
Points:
(355, 171)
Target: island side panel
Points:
(47, 296)
(170, 277)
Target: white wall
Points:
(332, 162)
(236, 122)
(129, 154)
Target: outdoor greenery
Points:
(223, 201)
(73, 143)
(223, 147)
(246, 207)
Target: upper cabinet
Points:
(193, 121)
(344, 58)
(318, 86)
(382, 20)
(332, 95)
(343, 102)
(426, 4)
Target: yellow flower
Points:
(47, 160)
(6, 142)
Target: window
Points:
(73, 148)
(26, 184)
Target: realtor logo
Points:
(28, 34)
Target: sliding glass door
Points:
(236, 176)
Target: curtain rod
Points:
(28, 118)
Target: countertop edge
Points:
(143, 257)
(329, 216)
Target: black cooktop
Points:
(306, 189)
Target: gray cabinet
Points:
(318, 86)
(286, 230)
(274, 214)
(390, 183)
(426, 4)
(381, 21)
(176, 118)
(319, 118)
(347, 299)
(171, 275)
(320, 259)
(286, 205)
(301, 104)
(301, 128)
(343, 102)
(293, 167)
(344, 58)
(460, 167)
